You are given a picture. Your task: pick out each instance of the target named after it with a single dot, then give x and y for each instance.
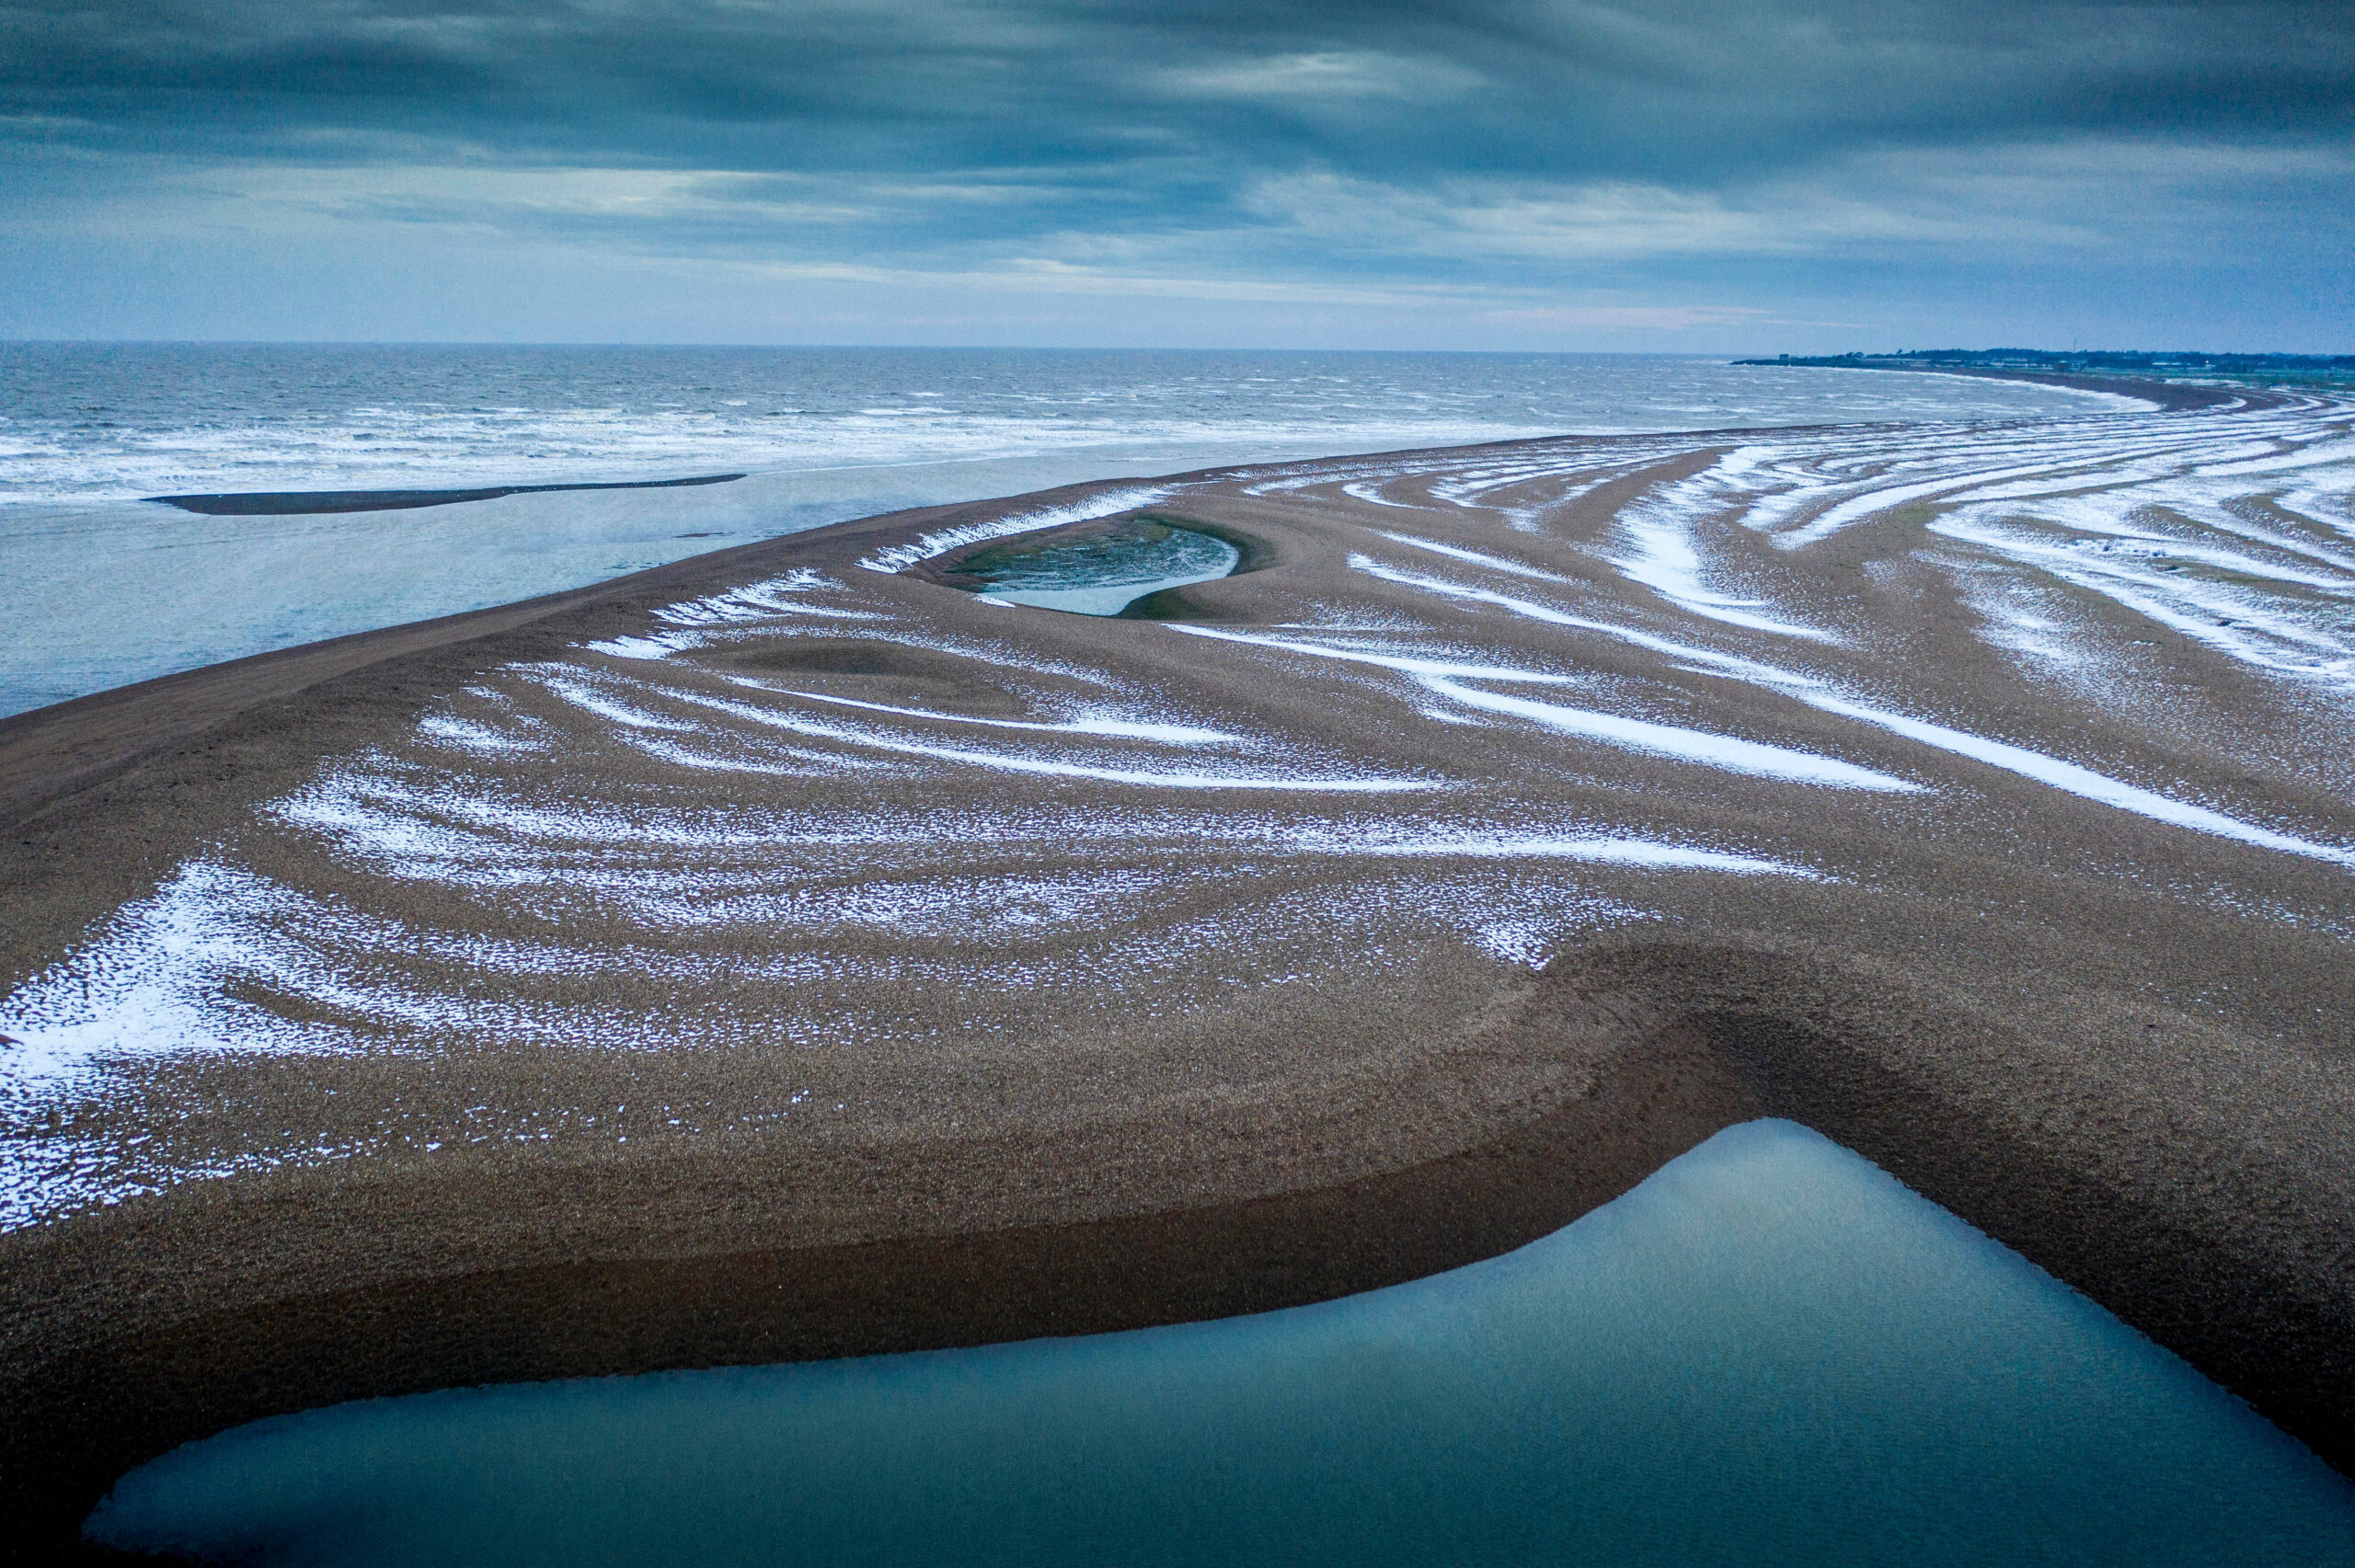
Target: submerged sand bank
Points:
(301, 503)
(775, 955)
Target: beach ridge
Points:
(1769, 908)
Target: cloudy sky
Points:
(1703, 175)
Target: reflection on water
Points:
(1100, 574)
(1770, 1352)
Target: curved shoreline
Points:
(1510, 1103)
(1666, 1047)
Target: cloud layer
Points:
(1781, 173)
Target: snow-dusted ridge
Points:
(1486, 719)
(1108, 503)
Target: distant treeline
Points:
(2095, 361)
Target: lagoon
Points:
(1770, 1351)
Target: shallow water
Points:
(1104, 575)
(1770, 1351)
(108, 589)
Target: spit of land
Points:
(790, 953)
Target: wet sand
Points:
(298, 503)
(774, 956)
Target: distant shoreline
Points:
(2170, 396)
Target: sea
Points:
(107, 586)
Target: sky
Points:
(1696, 175)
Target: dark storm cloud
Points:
(1524, 153)
(1680, 90)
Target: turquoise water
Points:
(1770, 1352)
(1105, 573)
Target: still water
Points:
(1771, 1351)
(1102, 574)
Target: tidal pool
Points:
(1100, 574)
(1771, 1351)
